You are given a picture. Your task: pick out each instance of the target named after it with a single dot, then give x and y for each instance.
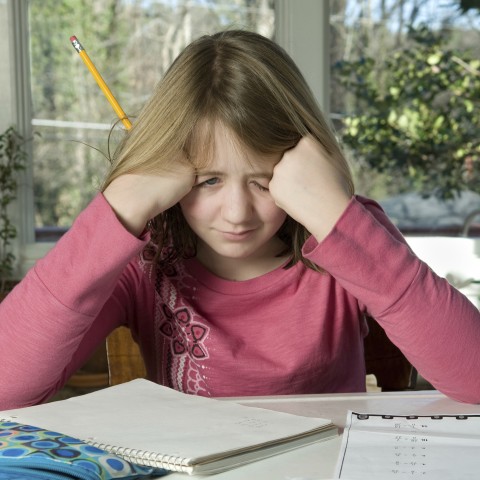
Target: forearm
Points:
(64, 307)
(434, 325)
(83, 268)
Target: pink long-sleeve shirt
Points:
(290, 331)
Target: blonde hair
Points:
(249, 84)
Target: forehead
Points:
(219, 149)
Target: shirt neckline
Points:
(242, 287)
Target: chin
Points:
(235, 251)
(234, 255)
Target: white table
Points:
(317, 462)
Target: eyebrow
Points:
(217, 173)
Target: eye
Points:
(261, 187)
(209, 182)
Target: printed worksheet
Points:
(383, 447)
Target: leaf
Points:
(434, 59)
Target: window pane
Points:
(5, 68)
(132, 43)
(421, 58)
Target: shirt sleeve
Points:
(82, 285)
(435, 326)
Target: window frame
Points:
(296, 29)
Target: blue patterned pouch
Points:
(32, 453)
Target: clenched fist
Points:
(308, 186)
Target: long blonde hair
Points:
(249, 84)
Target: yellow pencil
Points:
(101, 83)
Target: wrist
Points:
(322, 224)
(127, 213)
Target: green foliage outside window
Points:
(12, 160)
(417, 116)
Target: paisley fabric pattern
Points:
(28, 452)
(181, 333)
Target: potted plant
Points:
(12, 160)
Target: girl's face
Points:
(231, 211)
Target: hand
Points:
(308, 186)
(137, 198)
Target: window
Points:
(430, 104)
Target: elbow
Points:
(20, 397)
(465, 393)
(463, 397)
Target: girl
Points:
(228, 239)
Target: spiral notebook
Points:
(148, 424)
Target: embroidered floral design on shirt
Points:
(186, 335)
(180, 332)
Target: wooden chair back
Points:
(124, 359)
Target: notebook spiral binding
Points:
(145, 458)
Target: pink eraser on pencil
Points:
(73, 38)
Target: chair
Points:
(124, 359)
(383, 359)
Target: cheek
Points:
(193, 207)
(273, 215)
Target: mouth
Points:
(237, 236)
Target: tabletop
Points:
(317, 461)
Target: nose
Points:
(237, 204)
